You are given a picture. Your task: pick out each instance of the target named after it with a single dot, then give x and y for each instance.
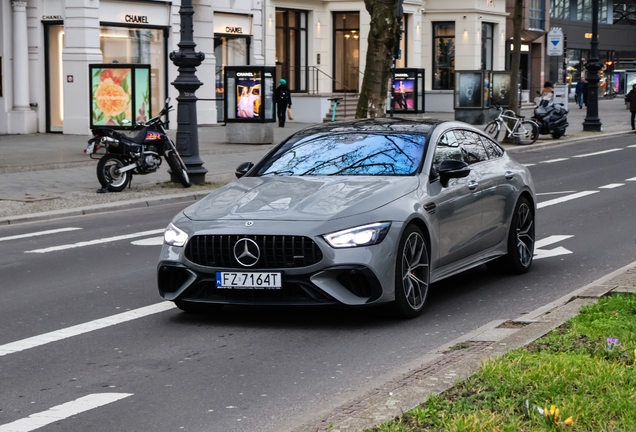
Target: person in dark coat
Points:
(282, 97)
(578, 93)
(631, 98)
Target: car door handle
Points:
(509, 175)
(472, 185)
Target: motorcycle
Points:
(139, 154)
(552, 118)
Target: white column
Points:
(22, 120)
(206, 71)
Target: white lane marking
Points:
(556, 193)
(555, 160)
(61, 412)
(543, 253)
(54, 336)
(631, 179)
(528, 165)
(598, 153)
(611, 186)
(152, 241)
(632, 146)
(98, 241)
(565, 198)
(38, 233)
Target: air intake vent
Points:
(275, 251)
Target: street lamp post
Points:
(187, 83)
(592, 122)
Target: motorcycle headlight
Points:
(173, 236)
(364, 235)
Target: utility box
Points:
(561, 92)
(408, 90)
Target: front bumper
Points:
(351, 276)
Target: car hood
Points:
(300, 198)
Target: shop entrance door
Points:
(228, 51)
(54, 43)
(346, 51)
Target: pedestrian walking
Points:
(282, 97)
(631, 98)
(578, 92)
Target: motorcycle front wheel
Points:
(178, 169)
(109, 175)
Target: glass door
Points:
(346, 51)
(228, 51)
(291, 48)
(54, 44)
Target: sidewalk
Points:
(51, 173)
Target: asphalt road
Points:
(261, 369)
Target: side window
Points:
(447, 149)
(492, 148)
(471, 146)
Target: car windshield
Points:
(349, 153)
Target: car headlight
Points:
(173, 236)
(364, 235)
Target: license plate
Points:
(237, 280)
(90, 148)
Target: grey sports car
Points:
(353, 213)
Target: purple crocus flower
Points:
(611, 341)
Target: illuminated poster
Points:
(120, 95)
(470, 90)
(248, 94)
(500, 89)
(404, 91)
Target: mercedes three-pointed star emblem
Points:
(246, 252)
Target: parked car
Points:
(353, 213)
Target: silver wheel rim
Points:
(111, 172)
(525, 235)
(415, 271)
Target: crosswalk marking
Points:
(152, 241)
(38, 233)
(554, 160)
(61, 412)
(54, 336)
(98, 241)
(611, 186)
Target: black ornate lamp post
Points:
(187, 83)
(592, 122)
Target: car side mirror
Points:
(449, 169)
(243, 169)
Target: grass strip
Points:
(581, 376)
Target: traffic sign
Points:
(555, 42)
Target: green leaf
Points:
(124, 85)
(97, 73)
(100, 117)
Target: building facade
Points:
(318, 46)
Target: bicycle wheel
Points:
(492, 129)
(527, 132)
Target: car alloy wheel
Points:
(525, 234)
(412, 273)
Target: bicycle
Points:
(524, 131)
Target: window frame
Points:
(298, 51)
(451, 68)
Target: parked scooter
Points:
(140, 154)
(552, 118)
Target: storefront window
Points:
(444, 55)
(54, 74)
(560, 9)
(143, 46)
(291, 48)
(403, 60)
(346, 51)
(487, 30)
(228, 51)
(537, 14)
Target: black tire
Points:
(178, 170)
(520, 241)
(412, 273)
(557, 135)
(108, 173)
(492, 130)
(527, 132)
(198, 308)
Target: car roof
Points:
(384, 124)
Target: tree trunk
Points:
(513, 99)
(384, 34)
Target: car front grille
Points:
(275, 251)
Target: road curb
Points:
(410, 385)
(106, 207)
(540, 146)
